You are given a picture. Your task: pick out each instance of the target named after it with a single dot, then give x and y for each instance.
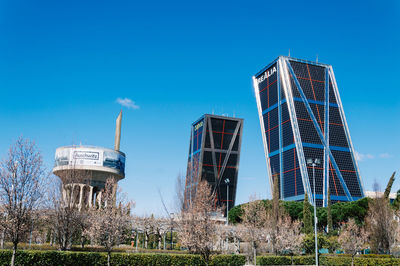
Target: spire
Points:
(118, 131)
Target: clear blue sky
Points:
(63, 64)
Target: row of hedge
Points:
(327, 260)
(45, 258)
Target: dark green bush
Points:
(47, 258)
(363, 260)
(67, 258)
(228, 260)
(285, 260)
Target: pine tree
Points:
(329, 218)
(389, 186)
(307, 219)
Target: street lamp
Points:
(172, 219)
(313, 163)
(227, 199)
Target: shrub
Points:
(285, 260)
(44, 258)
(228, 260)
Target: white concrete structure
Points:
(84, 170)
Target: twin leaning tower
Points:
(85, 169)
(301, 118)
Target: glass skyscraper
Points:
(214, 152)
(302, 117)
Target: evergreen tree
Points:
(329, 214)
(389, 186)
(307, 219)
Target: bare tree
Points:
(352, 238)
(109, 223)
(22, 177)
(180, 192)
(67, 219)
(289, 237)
(381, 225)
(254, 219)
(196, 227)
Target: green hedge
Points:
(47, 258)
(341, 260)
(44, 258)
(285, 260)
(230, 260)
(327, 260)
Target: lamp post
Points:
(172, 217)
(313, 163)
(227, 199)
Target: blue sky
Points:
(63, 65)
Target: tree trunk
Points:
(254, 254)
(352, 260)
(2, 239)
(108, 257)
(13, 254)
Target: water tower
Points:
(84, 170)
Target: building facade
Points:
(214, 154)
(301, 118)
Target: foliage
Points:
(323, 242)
(294, 209)
(235, 214)
(389, 186)
(285, 260)
(341, 211)
(329, 214)
(231, 260)
(48, 258)
(307, 219)
(343, 260)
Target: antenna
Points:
(289, 52)
(317, 58)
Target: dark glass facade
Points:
(302, 117)
(214, 153)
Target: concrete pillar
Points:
(80, 196)
(90, 196)
(99, 199)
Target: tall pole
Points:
(171, 230)
(315, 218)
(227, 200)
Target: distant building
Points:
(302, 118)
(379, 194)
(214, 153)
